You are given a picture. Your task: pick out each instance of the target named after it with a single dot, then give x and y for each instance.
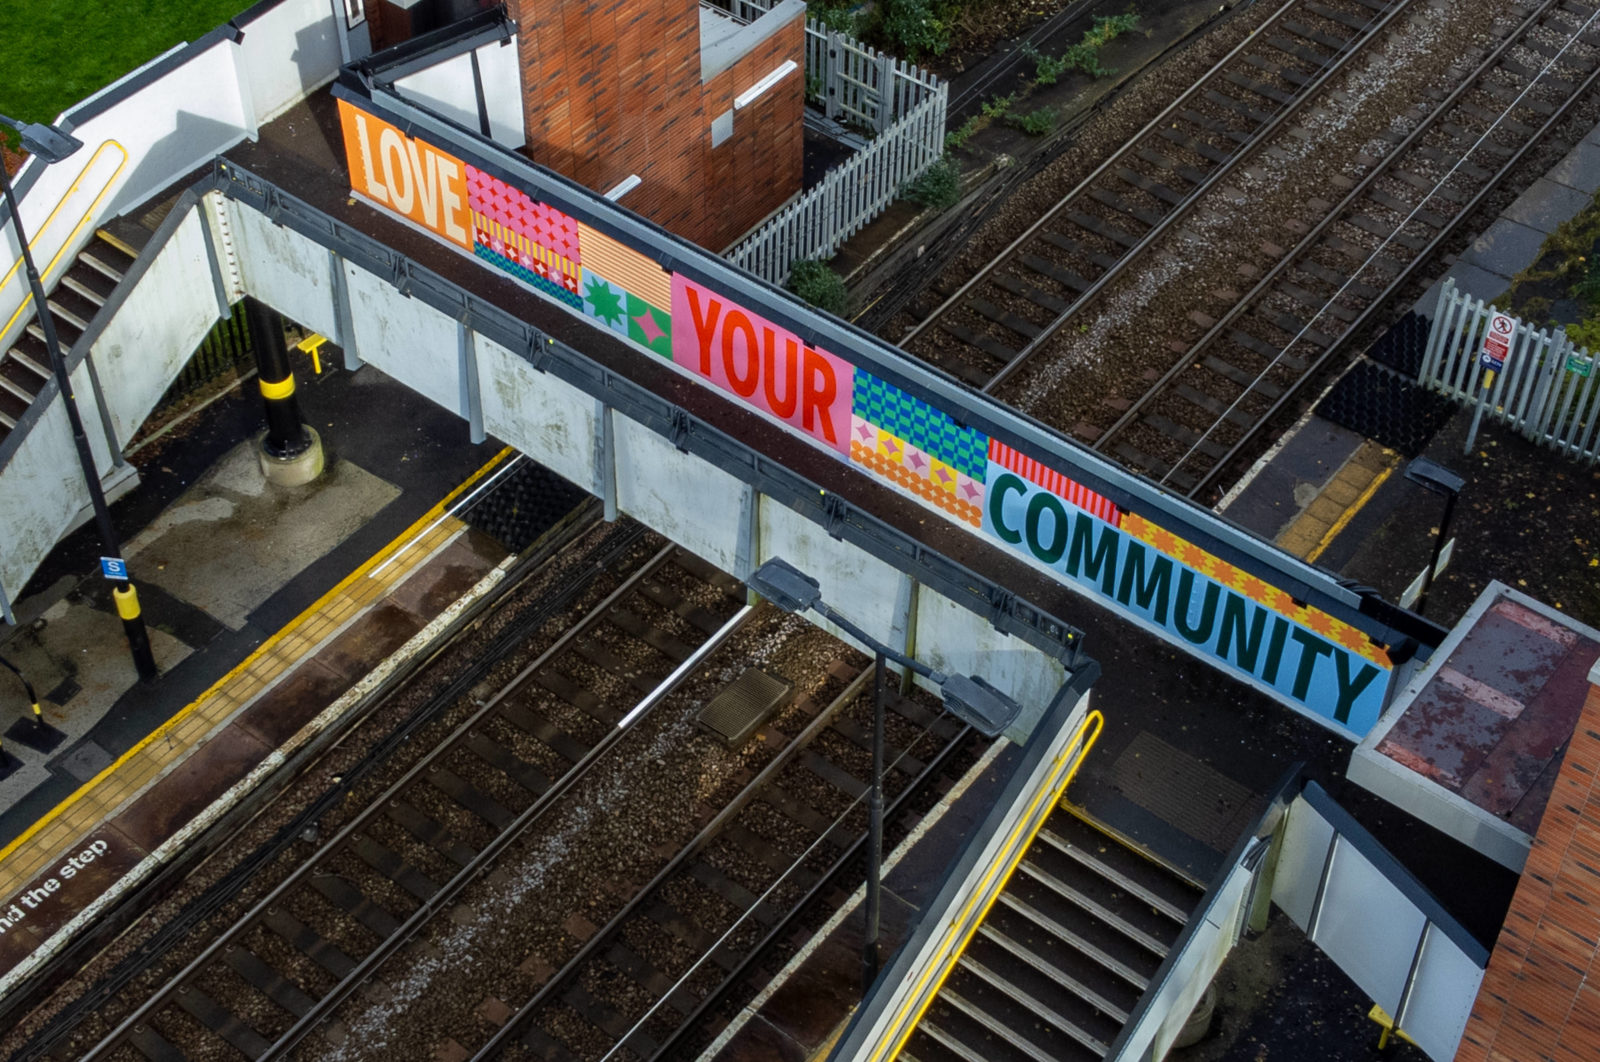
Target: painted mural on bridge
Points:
(1124, 560)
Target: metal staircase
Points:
(1062, 957)
(78, 296)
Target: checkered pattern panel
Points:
(540, 223)
(929, 430)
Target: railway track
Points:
(1245, 362)
(642, 964)
(660, 977)
(283, 969)
(1241, 360)
(986, 330)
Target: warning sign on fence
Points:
(1497, 342)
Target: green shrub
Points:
(1046, 69)
(999, 106)
(1585, 333)
(939, 187)
(1085, 55)
(957, 138)
(913, 28)
(835, 14)
(819, 285)
(1038, 123)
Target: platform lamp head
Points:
(968, 698)
(46, 141)
(785, 586)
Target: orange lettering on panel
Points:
(410, 177)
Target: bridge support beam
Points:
(291, 452)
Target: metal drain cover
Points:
(746, 703)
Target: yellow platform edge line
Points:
(400, 542)
(1355, 507)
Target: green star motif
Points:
(607, 306)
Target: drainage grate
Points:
(746, 703)
(1402, 347)
(523, 505)
(1386, 408)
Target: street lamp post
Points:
(1436, 479)
(52, 145)
(969, 699)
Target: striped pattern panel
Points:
(1054, 482)
(625, 267)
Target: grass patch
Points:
(54, 53)
(1567, 269)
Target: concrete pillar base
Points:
(293, 471)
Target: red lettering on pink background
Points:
(761, 364)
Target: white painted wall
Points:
(537, 413)
(40, 491)
(689, 501)
(448, 89)
(403, 337)
(283, 269)
(286, 53)
(155, 332)
(1369, 926)
(958, 641)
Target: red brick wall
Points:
(612, 88)
(759, 168)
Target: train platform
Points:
(272, 611)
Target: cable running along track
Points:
(999, 319)
(1246, 362)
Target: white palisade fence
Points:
(902, 105)
(1549, 390)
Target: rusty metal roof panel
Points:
(1483, 727)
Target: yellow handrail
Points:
(5, 333)
(966, 924)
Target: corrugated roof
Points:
(1537, 1000)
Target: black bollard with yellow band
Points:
(126, 598)
(291, 451)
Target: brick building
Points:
(705, 109)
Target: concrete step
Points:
(80, 293)
(1063, 957)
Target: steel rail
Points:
(1405, 275)
(1200, 85)
(1132, 413)
(579, 521)
(1183, 210)
(334, 844)
(828, 880)
(602, 937)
